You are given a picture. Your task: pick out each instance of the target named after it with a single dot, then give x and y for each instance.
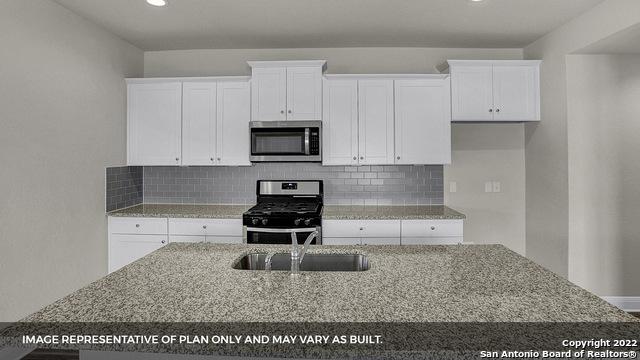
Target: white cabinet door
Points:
(199, 123)
(472, 93)
(340, 122)
(232, 141)
(269, 92)
(154, 123)
(516, 93)
(422, 121)
(341, 241)
(304, 93)
(125, 249)
(376, 139)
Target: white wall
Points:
(547, 163)
(62, 114)
(604, 197)
(481, 152)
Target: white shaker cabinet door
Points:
(516, 92)
(340, 122)
(125, 249)
(269, 94)
(232, 143)
(154, 117)
(199, 123)
(422, 121)
(304, 93)
(472, 93)
(375, 109)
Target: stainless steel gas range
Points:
(284, 206)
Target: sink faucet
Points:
(296, 255)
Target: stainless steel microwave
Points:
(281, 141)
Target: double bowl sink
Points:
(310, 262)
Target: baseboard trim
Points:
(626, 303)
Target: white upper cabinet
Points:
(516, 93)
(232, 140)
(422, 121)
(269, 89)
(497, 90)
(340, 122)
(286, 90)
(375, 125)
(154, 114)
(199, 123)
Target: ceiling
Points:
(237, 24)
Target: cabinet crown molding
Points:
(292, 63)
(186, 79)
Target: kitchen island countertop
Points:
(461, 283)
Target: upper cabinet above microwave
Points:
(495, 90)
(286, 90)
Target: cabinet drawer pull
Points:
(361, 228)
(355, 158)
(204, 227)
(137, 225)
(162, 242)
(490, 110)
(433, 228)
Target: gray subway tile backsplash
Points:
(343, 185)
(124, 187)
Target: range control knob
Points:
(297, 222)
(307, 222)
(264, 221)
(254, 221)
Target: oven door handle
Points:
(280, 231)
(306, 142)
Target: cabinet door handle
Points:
(177, 159)
(204, 227)
(490, 110)
(137, 225)
(281, 111)
(289, 111)
(497, 110)
(219, 159)
(398, 157)
(211, 159)
(355, 158)
(361, 228)
(361, 157)
(162, 242)
(433, 228)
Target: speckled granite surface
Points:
(183, 211)
(330, 212)
(196, 282)
(438, 212)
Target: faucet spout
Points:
(297, 255)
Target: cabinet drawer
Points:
(361, 228)
(340, 241)
(380, 241)
(215, 227)
(431, 228)
(450, 240)
(186, 239)
(225, 239)
(137, 225)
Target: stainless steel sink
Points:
(311, 262)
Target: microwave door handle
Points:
(306, 142)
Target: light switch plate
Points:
(453, 186)
(497, 187)
(488, 187)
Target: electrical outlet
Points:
(497, 187)
(488, 187)
(453, 186)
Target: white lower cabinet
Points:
(392, 232)
(131, 238)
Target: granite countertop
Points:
(461, 283)
(330, 212)
(183, 211)
(408, 212)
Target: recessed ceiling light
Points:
(476, 0)
(157, 2)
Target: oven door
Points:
(280, 236)
(284, 141)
